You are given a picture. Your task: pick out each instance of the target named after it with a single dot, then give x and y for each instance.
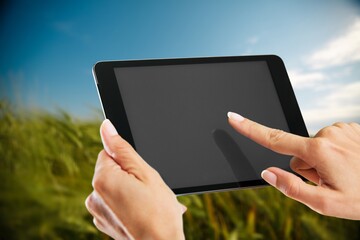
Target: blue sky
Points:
(49, 47)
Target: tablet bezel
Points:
(114, 110)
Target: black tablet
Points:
(174, 113)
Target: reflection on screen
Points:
(177, 115)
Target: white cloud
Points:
(339, 51)
(332, 94)
(341, 104)
(301, 80)
(348, 94)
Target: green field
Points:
(46, 166)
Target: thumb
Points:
(107, 132)
(294, 187)
(120, 150)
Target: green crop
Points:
(46, 166)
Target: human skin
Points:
(130, 200)
(330, 160)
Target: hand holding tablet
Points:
(131, 200)
(330, 160)
(172, 112)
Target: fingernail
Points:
(235, 116)
(269, 177)
(109, 128)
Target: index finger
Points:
(273, 139)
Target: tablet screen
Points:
(177, 116)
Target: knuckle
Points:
(323, 206)
(152, 171)
(99, 184)
(340, 124)
(292, 190)
(156, 174)
(275, 135)
(354, 125)
(121, 148)
(329, 132)
(319, 146)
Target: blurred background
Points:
(50, 112)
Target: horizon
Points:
(48, 49)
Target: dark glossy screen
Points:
(177, 116)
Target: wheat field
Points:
(46, 166)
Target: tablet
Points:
(174, 113)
